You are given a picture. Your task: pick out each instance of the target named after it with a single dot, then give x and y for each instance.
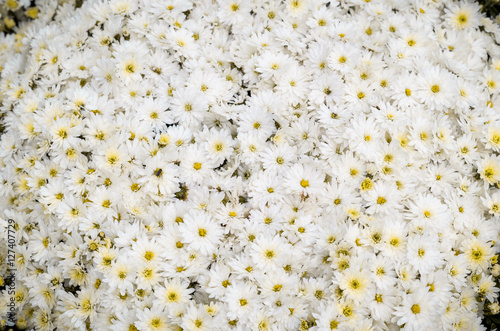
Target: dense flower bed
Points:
(250, 165)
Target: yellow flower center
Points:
(149, 256)
(415, 309)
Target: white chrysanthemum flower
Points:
(145, 251)
(383, 304)
(489, 169)
(357, 285)
(152, 319)
(200, 232)
(121, 276)
(173, 293)
(424, 253)
(492, 203)
(159, 177)
(148, 276)
(197, 318)
(477, 254)
(417, 310)
(242, 299)
(268, 253)
(463, 15)
(303, 179)
(427, 210)
(437, 87)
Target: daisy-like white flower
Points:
(364, 136)
(211, 84)
(219, 144)
(343, 57)
(196, 318)
(477, 253)
(43, 241)
(152, 319)
(416, 311)
(129, 67)
(489, 169)
(145, 250)
(493, 138)
(173, 293)
(383, 304)
(71, 212)
(82, 307)
(463, 15)
(188, 107)
(329, 318)
(268, 253)
(241, 299)
(356, 284)
(266, 187)
(258, 120)
(297, 8)
(43, 296)
(148, 276)
(424, 253)
(276, 158)
(292, 84)
(159, 177)
(154, 113)
(195, 166)
(383, 199)
(437, 87)
(200, 232)
(303, 179)
(43, 320)
(270, 64)
(427, 210)
(112, 155)
(121, 276)
(492, 203)
(360, 94)
(63, 133)
(104, 202)
(487, 288)
(326, 88)
(383, 272)
(218, 280)
(251, 146)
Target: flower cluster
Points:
(252, 165)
